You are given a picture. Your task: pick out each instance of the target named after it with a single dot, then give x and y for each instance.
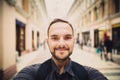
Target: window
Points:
(103, 9)
(25, 5)
(90, 17)
(117, 6)
(96, 13)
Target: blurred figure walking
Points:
(89, 44)
(101, 46)
(81, 44)
(108, 48)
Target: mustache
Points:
(61, 48)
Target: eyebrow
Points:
(68, 35)
(54, 35)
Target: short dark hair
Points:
(59, 20)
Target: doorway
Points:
(116, 38)
(20, 37)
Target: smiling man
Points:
(60, 41)
(60, 67)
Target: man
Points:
(60, 67)
(108, 48)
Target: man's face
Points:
(60, 41)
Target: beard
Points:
(58, 58)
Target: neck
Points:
(61, 65)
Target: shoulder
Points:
(94, 74)
(28, 73)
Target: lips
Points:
(61, 49)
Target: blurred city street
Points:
(110, 69)
(24, 27)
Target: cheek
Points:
(71, 46)
(71, 42)
(52, 44)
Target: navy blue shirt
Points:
(30, 72)
(66, 75)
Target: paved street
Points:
(110, 69)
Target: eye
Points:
(67, 37)
(55, 38)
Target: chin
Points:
(62, 59)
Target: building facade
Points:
(97, 18)
(19, 32)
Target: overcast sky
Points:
(58, 8)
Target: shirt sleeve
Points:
(28, 73)
(94, 74)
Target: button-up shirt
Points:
(66, 75)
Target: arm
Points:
(28, 73)
(94, 74)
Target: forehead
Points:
(60, 28)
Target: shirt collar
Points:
(68, 68)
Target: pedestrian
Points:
(43, 44)
(77, 40)
(81, 44)
(60, 66)
(102, 49)
(89, 44)
(108, 48)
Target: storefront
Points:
(99, 35)
(20, 36)
(116, 37)
(85, 37)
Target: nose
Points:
(61, 42)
